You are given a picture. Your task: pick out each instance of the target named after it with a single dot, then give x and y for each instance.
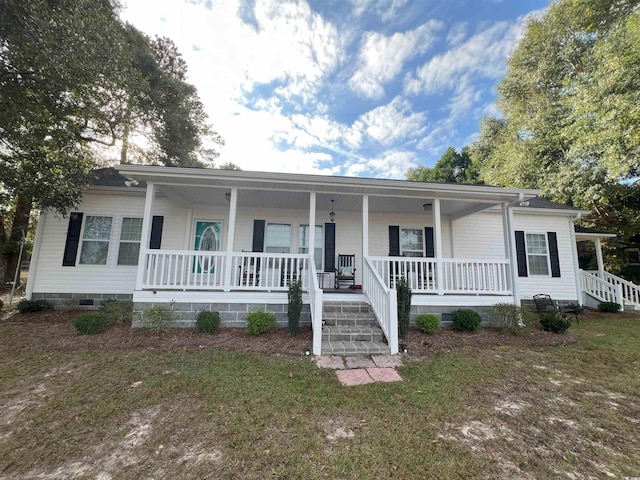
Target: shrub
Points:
(208, 322)
(555, 322)
(466, 320)
(611, 307)
(295, 307)
(1, 304)
(158, 318)
(510, 317)
(403, 292)
(428, 323)
(117, 310)
(261, 322)
(28, 306)
(91, 323)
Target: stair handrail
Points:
(383, 301)
(630, 291)
(315, 305)
(600, 289)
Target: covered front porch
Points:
(259, 241)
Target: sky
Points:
(365, 88)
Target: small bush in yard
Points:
(555, 322)
(261, 322)
(428, 323)
(610, 307)
(466, 320)
(294, 307)
(90, 323)
(158, 318)
(208, 322)
(403, 295)
(28, 306)
(117, 310)
(511, 317)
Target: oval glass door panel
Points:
(207, 240)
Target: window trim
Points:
(121, 241)
(423, 252)
(266, 237)
(82, 240)
(316, 246)
(547, 255)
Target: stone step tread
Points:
(348, 315)
(344, 348)
(352, 328)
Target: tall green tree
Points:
(452, 167)
(74, 81)
(571, 101)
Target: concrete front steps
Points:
(351, 329)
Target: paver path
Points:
(362, 370)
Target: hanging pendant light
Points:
(332, 214)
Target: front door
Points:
(208, 238)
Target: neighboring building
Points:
(232, 241)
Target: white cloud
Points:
(457, 33)
(381, 57)
(385, 9)
(392, 122)
(391, 164)
(481, 56)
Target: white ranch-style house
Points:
(232, 241)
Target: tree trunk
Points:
(20, 225)
(125, 137)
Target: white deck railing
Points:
(460, 276)
(600, 289)
(183, 270)
(198, 270)
(630, 291)
(383, 301)
(315, 305)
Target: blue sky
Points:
(341, 87)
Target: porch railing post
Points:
(233, 208)
(144, 237)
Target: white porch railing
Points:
(383, 301)
(630, 292)
(600, 289)
(198, 270)
(315, 305)
(183, 270)
(460, 276)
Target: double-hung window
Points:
(95, 240)
(278, 238)
(130, 241)
(537, 254)
(303, 235)
(411, 242)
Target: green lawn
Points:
(491, 413)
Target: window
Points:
(537, 254)
(633, 256)
(278, 238)
(95, 240)
(411, 242)
(303, 235)
(130, 241)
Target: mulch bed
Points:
(53, 330)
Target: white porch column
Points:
(437, 240)
(231, 235)
(598, 245)
(510, 249)
(365, 226)
(576, 265)
(312, 227)
(35, 255)
(146, 233)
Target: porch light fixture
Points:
(228, 196)
(427, 206)
(332, 214)
(131, 183)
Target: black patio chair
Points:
(346, 271)
(545, 304)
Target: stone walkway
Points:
(362, 370)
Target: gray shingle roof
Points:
(109, 177)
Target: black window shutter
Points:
(73, 240)
(394, 241)
(428, 238)
(553, 254)
(329, 247)
(258, 236)
(156, 232)
(521, 254)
